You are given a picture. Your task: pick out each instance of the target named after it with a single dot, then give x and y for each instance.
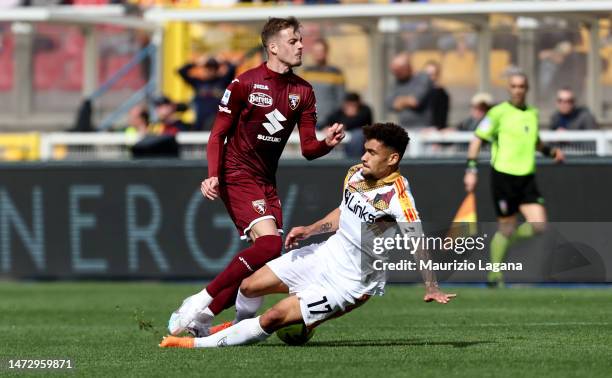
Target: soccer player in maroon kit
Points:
(257, 114)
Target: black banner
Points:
(149, 220)
(568, 252)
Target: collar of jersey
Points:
(270, 73)
(516, 107)
(385, 180)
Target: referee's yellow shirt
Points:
(513, 134)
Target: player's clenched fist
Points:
(296, 234)
(210, 188)
(334, 134)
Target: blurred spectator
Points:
(438, 102)
(353, 115)
(208, 77)
(550, 61)
(555, 42)
(138, 121)
(572, 70)
(327, 81)
(479, 106)
(167, 116)
(409, 96)
(158, 139)
(568, 116)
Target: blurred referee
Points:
(512, 129)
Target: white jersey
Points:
(365, 202)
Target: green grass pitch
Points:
(112, 329)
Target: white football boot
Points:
(186, 314)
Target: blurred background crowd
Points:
(430, 76)
(151, 3)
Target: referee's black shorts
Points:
(509, 192)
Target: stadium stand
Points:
(57, 89)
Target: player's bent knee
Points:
(260, 283)
(251, 287)
(284, 313)
(246, 287)
(272, 319)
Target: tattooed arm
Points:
(421, 257)
(432, 292)
(329, 223)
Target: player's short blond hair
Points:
(275, 25)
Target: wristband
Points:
(472, 166)
(547, 151)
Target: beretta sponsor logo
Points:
(260, 99)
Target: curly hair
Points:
(275, 25)
(390, 134)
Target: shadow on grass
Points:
(382, 343)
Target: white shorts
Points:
(302, 271)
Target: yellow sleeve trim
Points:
(404, 200)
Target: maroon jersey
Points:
(257, 114)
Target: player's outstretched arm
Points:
(435, 294)
(329, 223)
(432, 291)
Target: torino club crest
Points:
(294, 100)
(259, 206)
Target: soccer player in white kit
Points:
(327, 280)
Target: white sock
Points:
(246, 308)
(203, 299)
(246, 332)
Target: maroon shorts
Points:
(249, 202)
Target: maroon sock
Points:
(224, 300)
(264, 249)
